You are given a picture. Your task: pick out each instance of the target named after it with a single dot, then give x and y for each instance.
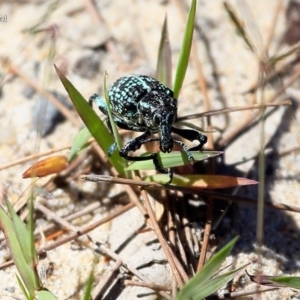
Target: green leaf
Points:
(16, 249)
(287, 281)
(112, 122)
(203, 277)
(185, 51)
(21, 232)
(216, 283)
(45, 295)
(22, 287)
(33, 253)
(96, 127)
(79, 142)
(170, 160)
(88, 288)
(164, 59)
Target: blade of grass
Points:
(22, 233)
(201, 279)
(45, 295)
(92, 122)
(238, 24)
(215, 284)
(79, 142)
(32, 250)
(164, 59)
(88, 288)
(287, 281)
(22, 287)
(26, 272)
(185, 51)
(115, 131)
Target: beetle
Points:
(141, 103)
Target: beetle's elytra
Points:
(141, 103)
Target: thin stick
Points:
(160, 237)
(225, 140)
(247, 292)
(31, 157)
(33, 83)
(152, 286)
(206, 235)
(91, 208)
(113, 255)
(104, 284)
(234, 109)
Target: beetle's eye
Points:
(170, 119)
(130, 106)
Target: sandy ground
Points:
(37, 34)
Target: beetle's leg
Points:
(185, 149)
(191, 135)
(159, 169)
(100, 103)
(135, 144)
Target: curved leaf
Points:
(92, 122)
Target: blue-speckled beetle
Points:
(141, 103)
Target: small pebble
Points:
(28, 92)
(87, 66)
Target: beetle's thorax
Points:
(157, 109)
(158, 112)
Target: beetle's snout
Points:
(166, 146)
(166, 140)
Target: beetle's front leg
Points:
(100, 103)
(134, 145)
(191, 135)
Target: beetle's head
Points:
(159, 112)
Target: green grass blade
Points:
(32, 250)
(170, 160)
(287, 281)
(21, 232)
(45, 295)
(96, 127)
(185, 51)
(215, 284)
(26, 272)
(164, 59)
(79, 142)
(202, 278)
(111, 119)
(88, 288)
(22, 287)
